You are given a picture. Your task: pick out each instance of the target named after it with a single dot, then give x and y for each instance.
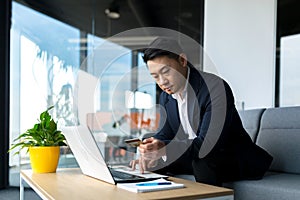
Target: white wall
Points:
(239, 40)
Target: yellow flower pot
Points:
(44, 159)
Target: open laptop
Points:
(91, 162)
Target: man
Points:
(200, 131)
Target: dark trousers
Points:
(213, 170)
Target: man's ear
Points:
(182, 59)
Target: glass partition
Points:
(43, 65)
(84, 76)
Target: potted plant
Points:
(43, 143)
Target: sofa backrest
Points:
(251, 121)
(279, 134)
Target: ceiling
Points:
(88, 15)
(185, 16)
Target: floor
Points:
(13, 193)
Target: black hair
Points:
(162, 47)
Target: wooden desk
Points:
(72, 184)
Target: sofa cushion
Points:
(279, 134)
(275, 186)
(251, 121)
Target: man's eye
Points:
(165, 71)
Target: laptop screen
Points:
(90, 159)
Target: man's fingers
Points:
(151, 144)
(133, 164)
(142, 150)
(142, 165)
(147, 140)
(150, 151)
(152, 163)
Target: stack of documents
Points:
(150, 186)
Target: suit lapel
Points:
(172, 109)
(193, 110)
(193, 105)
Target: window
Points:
(85, 77)
(147, 85)
(42, 74)
(289, 71)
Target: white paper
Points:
(134, 188)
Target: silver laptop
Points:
(91, 161)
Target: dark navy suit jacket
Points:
(221, 137)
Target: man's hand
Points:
(150, 151)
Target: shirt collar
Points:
(176, 95)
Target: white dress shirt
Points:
(182, 100)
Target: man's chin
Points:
(169, 91)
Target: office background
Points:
(187, 17)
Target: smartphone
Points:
(135, 142)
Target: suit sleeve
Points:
(165, 130)
(172, 135)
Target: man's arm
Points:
(216, 104)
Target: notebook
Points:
(150, 186)
(91, 162)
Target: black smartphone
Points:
(135, 142)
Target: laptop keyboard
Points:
(124, 176)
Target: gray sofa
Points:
(277, 130)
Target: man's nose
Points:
(162, 80)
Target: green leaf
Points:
(43, 133)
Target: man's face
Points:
(169, 74)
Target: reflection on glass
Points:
(43, 64)
(47, 67)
